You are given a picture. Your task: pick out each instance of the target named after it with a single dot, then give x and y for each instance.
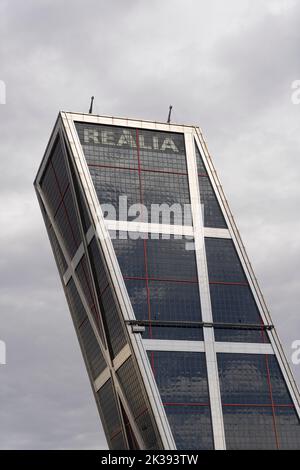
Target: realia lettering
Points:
(127, 139)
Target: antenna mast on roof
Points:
(91, 106)
(170, 112)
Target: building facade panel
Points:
(254, 394)
(182, 382)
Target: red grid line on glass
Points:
(272, 402)
(139, 163)
(102, 165)
(61, 199)
(147, 288)
(139, 168)
(141, 413)
(144, 241)
(185, 404)
(104, 290)
(155, 279)
(257, 405)
(92, 306)
(115, 434)
(83, 321)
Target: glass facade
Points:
(257, 407)
(162, 283)
(212, 214)
(140, 409)
(232, 300)
(88, 340)
(191, 302)
(147, 167)
(110, 412)
(182, 382)
(56, 189)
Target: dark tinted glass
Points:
(130, 255)
(213, 216)
(67, 224)
(233, 304)
(76, 306)
(231, 297)
(111, 318)
(169, 259)
(82, 205)
(111, 417)
(60, 259)
(108, 145)
(200, 164)
(230, 335)
(59, 167)
(280, 392)
(288, 428)
(111, 184)
(181, 377)
(85, 280)
(169, 189)
(131, 387)
(162, 151)
(244, 379)
(249, 428)
(98, 266)
(182, 381)
(86, 284)
(88, 340)
(223, 262)
(148, 167)
(174, 301)
(51, 189)
(56, 189)
(161, 280)
(191, 427)
(91, 349)
(257, 408)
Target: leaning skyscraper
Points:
(180, 348)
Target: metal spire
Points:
(91, 106)
(169, 116)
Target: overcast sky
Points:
(226, 66)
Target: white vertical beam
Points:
(209, 343)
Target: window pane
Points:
(213, 216)
(182, 381)
(111, 417)
(249, 428)
(139, 407)
(223, 262)
(143, 165)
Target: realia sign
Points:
(127, 138)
